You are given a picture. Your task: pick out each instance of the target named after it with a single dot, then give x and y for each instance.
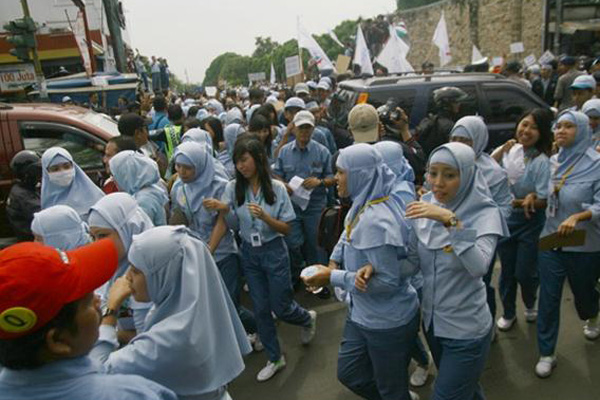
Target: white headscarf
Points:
(473, 204)
(80, 195)
(61, 227)
(193, 341)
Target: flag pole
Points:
(300, 51)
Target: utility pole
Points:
(41, 81)
(557, 25)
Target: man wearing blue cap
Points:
(567, 69)
(583, 89)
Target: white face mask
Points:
(62, 178)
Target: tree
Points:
(264, 46)
(407, 4)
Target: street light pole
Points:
(557, 26)
(41, 81)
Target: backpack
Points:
(331, 226)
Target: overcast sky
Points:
(191, 33)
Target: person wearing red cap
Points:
(47, 330)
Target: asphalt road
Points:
(509, 375)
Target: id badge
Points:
(552, 205)
(255, 239)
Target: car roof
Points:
(410, 80)
(80, 117)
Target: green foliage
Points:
(234, 68)
(406, 4)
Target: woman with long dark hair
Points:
(526, 160)
(260, 209)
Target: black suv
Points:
(499, 100)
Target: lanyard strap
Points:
(562, 181)
(355, 220)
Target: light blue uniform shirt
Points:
(574, 198)
(534, 179)
(203, 221)
(314, 160)
(390, 301)
(239, 218)
(77, 379)
(454, 295)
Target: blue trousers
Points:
(582, 270)
(490, 290)
(267, 271)
(156, 81)
(519, 260)
(419, 353)
(460, 364)
(232, 276)
(145, 80)
(373, 363)
(302, 240)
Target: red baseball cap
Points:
(37, 281)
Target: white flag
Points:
(273, 77)
(305, 40)
(82, 44)
(335, 38)
(361, 54)
(477, 57)
(393, 55)
(442, 41)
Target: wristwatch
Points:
(452, 222)
(109, 312)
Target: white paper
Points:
(546, 57)
(497, 61)
(517, 47)
(529, 60)
(300, 194)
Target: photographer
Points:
(395, 125)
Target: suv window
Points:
(87, 150)
(404, 97)
(506, 104)
(468, 107)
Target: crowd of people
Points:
(132, 289)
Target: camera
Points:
(389, 113)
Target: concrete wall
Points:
(492, 25)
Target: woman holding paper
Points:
(526, 161)
(260, 209)
(573, 203)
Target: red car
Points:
(37, 127)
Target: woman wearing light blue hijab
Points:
(573, 204)
(138, 175)
(199, 179)
(457, 226)
(60, 227)
(199, 136)
(230, 134)
(118, 216)
(591, 108)
(64, 182)
(383, 319)
(472, 131)
(193, 341)
(393, 157)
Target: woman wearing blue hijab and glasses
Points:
(138, 175)
(457, 226)
(383, 316)
(573, 204)
(60, 227)
(199, 180)
(64, 182)
(192, 341)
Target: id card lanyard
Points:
(553, 202)
(356, 218)
(255, 238)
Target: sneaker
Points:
(544, 366)
(530, 315)
(413, 395)
(591, 330)
(271, 369)
(255, 342)
(505, 324)
(308, 333)
(419, 377)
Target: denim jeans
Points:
(460, 364)
(373, 363)
(232, 274)
(267, 270)
(302, 240)
(582, 270)
(519, 259)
